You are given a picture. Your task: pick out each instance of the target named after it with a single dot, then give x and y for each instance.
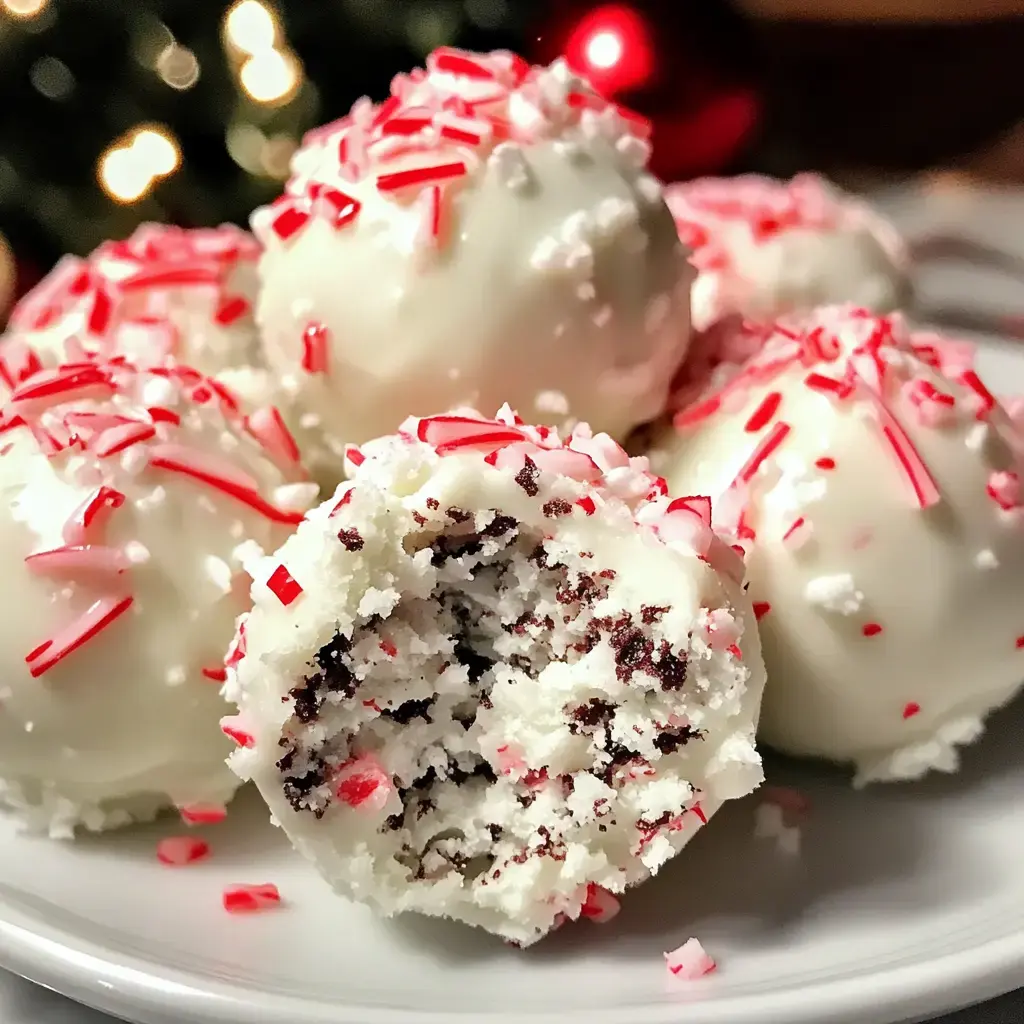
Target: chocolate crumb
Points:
(528, 476)
(350, 539)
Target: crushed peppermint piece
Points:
(689, 961)
(283, 586)
(178, 851)
(244, 898)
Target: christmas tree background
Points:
(120, 111)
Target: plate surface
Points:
(905, 901)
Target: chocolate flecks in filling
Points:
(499, 526)
(520, 632)
(595, 713)
(650, 613)
(433, 504)
(671, 740)
(419, 519)
(528, 478)
(633, 649)
(670, 668)
(351, 539)
(411, 709)
(557, 507)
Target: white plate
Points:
(906, 901)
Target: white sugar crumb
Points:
(154, 499)
(175, 675)
(649, 188)
(136, 552)
(297, 497)
(603, 316)
(218, 572)
(769, 823)
(976, 437)
(309, 421)
(553, 402)
(160, 392)
(835, 593)
(986, 559)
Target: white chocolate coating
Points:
(766, 248)
(944, 583)
(554, 280)
(127, 722)
(496, 696)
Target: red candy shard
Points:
(216, 674)
(910, 709)
(221, 476)
(245, 899)
(871, 629)
(600, 906)
(268, 427)
(88, 625)
(203, 814)
(761, 609)
(231, 310)
(178, 851)
(764, 413)
(412, 177)
(230, 727)
(315, 348)
(283, 586)
(364, 783)
(288, 222)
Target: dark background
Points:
(727, 88)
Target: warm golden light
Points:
(24, 8)
(271, 76)
(122, 175)
(128, 169)
(157, 151)
(251, 27)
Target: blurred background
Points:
(118, 111)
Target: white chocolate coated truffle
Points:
(128, 501)
(765, 248)
(487, 234)
(163, 293)
(497, 678)
(876, 484)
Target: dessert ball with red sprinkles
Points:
(129, 498)
(165, 293)
(488, 232)
(764, 248)
(876, 483)
(499, 677)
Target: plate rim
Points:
(148, 993)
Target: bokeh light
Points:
(178, 67)
(129, 168)
(24, 8)
(271, 76)
(250, 27)
(604, 49)
(612, 46)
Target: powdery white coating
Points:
(537, 256)
(765, 248)
(163, 292)
(496, 693)
(886, 638)
(115, 556)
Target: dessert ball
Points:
(498, 677)
(164, 293)
(764, 248)
(129, 497)
(876, 483)
(487, 233)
